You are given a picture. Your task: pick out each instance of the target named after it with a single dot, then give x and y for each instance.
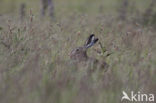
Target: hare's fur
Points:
(79, 54)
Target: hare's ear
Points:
(91, 41)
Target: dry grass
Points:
(35, 66)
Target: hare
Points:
(79, 54)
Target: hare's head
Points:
(80, 53)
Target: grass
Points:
(35, 66)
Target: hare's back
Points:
(98, 63)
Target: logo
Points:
(134, 97)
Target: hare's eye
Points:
(77, 50)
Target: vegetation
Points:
(35, 66)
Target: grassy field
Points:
(35, 66)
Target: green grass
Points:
(35, 66)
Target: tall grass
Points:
(35, 66)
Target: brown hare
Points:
(79, 54)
